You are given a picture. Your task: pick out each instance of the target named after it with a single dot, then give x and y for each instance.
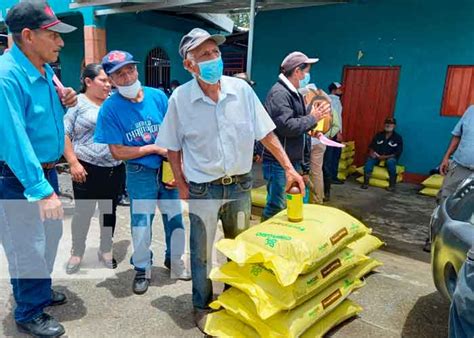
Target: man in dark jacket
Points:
(287, 110)
(386, 146)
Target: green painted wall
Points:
(72, 55)
(423, 37)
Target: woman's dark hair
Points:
(91, 71)
(290, 72)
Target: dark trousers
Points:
(103, 187)
(30, 245)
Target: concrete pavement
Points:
(399, 301)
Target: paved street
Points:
(399, 301)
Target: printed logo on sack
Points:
(331, 298)
(331, 267)
(339, 236)
(117, 57)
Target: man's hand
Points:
(51, 208)
(183, 188)
(171, 184)
(319, 111)
(444, 166)
(373, 154)
(78, 173)
(292, 177)
(68, 97)
(258, 159)
(160, 151)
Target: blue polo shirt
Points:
(31, 122)
(133, 124)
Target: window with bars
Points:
(158, 69)
(458, 90)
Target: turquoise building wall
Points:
(423, 37)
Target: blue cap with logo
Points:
(116, 59)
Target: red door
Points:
(369, 98)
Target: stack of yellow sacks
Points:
(345, 163)
(380, 176)
(292, 279)
(432, 185)
(259, 196)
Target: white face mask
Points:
(130, 92)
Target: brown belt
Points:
(228, 180)
(49, 165)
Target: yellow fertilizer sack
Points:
(429, 192)
(290, 249)
(221, 324)
(366, 245)
(375, 182)
(269, 297)
(350, 146)
(345, 164)
(347, 155)
(434, 181)
(259, 196)
(342, 175)
(340, 314)
(381, 173)
(352, 169)
(288, 323)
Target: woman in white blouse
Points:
(97, 177)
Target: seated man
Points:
(386, 146)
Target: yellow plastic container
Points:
(294, 202)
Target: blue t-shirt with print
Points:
(128, 123)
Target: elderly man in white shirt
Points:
(209, 130)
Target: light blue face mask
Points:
(211, 71)
(305, 81)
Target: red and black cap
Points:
(37, 15)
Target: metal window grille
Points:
(158, 68)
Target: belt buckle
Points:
(226, 180)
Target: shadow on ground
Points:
(120, 286)
(178, 310)
(433, 311)
(73, 310)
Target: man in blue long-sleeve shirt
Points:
(31, 124)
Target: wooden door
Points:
(369, 98)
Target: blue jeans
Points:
(461, 317)
(391, 165)
(332, 156)
(145, 189)
(275, 176)
(207, 204)
(30, 245)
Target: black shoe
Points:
(365, 185)
(391, 188)
(72, 268)
(109, 264)
(42, 326)
(337, 181)
(57, 298)
(167, 264)
(200, 318)
(140, 283)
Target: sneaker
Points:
(42, 326)
(179, 271)
(141, 282)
